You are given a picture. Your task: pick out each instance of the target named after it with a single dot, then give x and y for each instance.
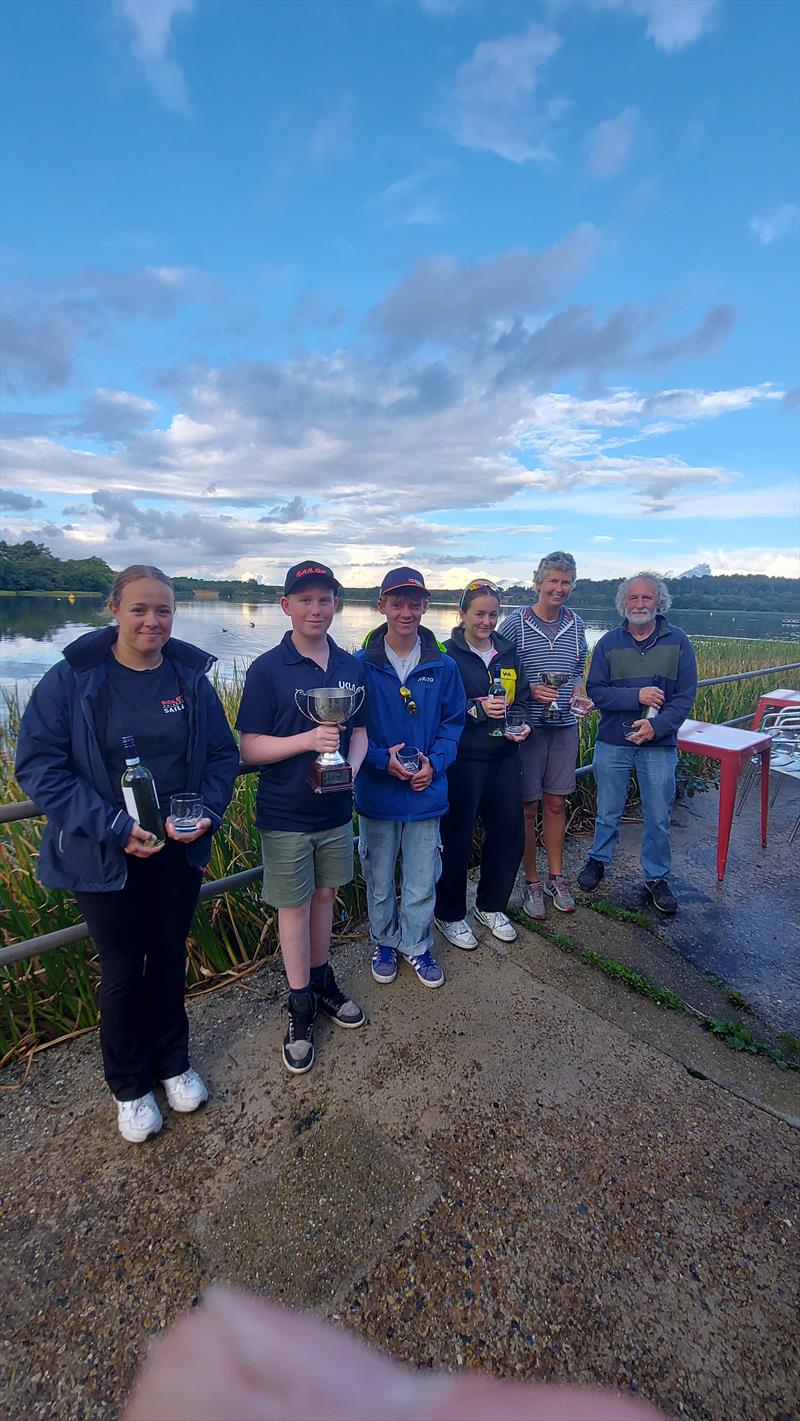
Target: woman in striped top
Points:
(549, 637)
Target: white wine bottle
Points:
(139, 792)
(498, 727)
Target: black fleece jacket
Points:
(476, 742)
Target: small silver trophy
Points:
(329, 705)
(556, 679)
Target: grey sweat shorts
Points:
(548, 759)
(295, 863)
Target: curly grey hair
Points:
(663, 599)
(563, 561)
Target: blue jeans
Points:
(655, 771)
(418, 847)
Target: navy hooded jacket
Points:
(60, 764)
(618, 669)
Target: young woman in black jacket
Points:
(484, 780)
(136, 889)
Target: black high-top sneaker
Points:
(298, 1043)
(331, 1001)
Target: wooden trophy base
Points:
(329, 779)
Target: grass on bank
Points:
(54, 995)
(734, 1034)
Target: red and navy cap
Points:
(402, 577)
(308, 571)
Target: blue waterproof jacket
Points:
(619, 667)
(437, 692)
(60, 763)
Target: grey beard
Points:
(641, 619)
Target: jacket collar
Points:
(662, 627)
(500, 643)
(375, 651)
(92, 648)
(293, 657)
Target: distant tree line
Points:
(31, 567)
(736, 592)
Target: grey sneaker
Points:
(333, 1003)
(556, 888)
(533, 901)
(298, 1043)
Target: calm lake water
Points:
(34, 630)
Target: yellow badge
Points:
(508, 676)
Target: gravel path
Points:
(515, 1172)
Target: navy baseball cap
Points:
(401, 578)
(308, 571)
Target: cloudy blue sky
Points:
(452, 282)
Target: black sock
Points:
(300, 991)
(318, 975)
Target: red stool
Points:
(732, 748)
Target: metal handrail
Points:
(64, 937)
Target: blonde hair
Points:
(565, 562)
(133, 574)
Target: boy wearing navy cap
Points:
(306, 838)
(415, 698)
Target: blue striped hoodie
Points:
(564, 650)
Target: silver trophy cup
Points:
(329, 705)
(557, 679)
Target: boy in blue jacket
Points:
(643, 680)
(414, 698)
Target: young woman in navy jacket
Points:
(484, 780)
(137, 896)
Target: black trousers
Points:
(490, 790)
(140, 933)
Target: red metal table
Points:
(732, 748)
(775, 700)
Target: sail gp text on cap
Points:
(309, 570)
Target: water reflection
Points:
(39, 618)
(34, 630)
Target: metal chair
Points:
(784, 729)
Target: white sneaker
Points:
(138, 1119)
(498, 925)
(459, 934)
(185, 1092)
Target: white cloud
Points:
(775, 562)
(784, 221)
(437, 299)
(609, 144)
(263, 456)
(151, 26)
(491, 107)
(602, 538)
(672, 25)
(409, 202)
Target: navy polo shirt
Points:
(284, 799)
